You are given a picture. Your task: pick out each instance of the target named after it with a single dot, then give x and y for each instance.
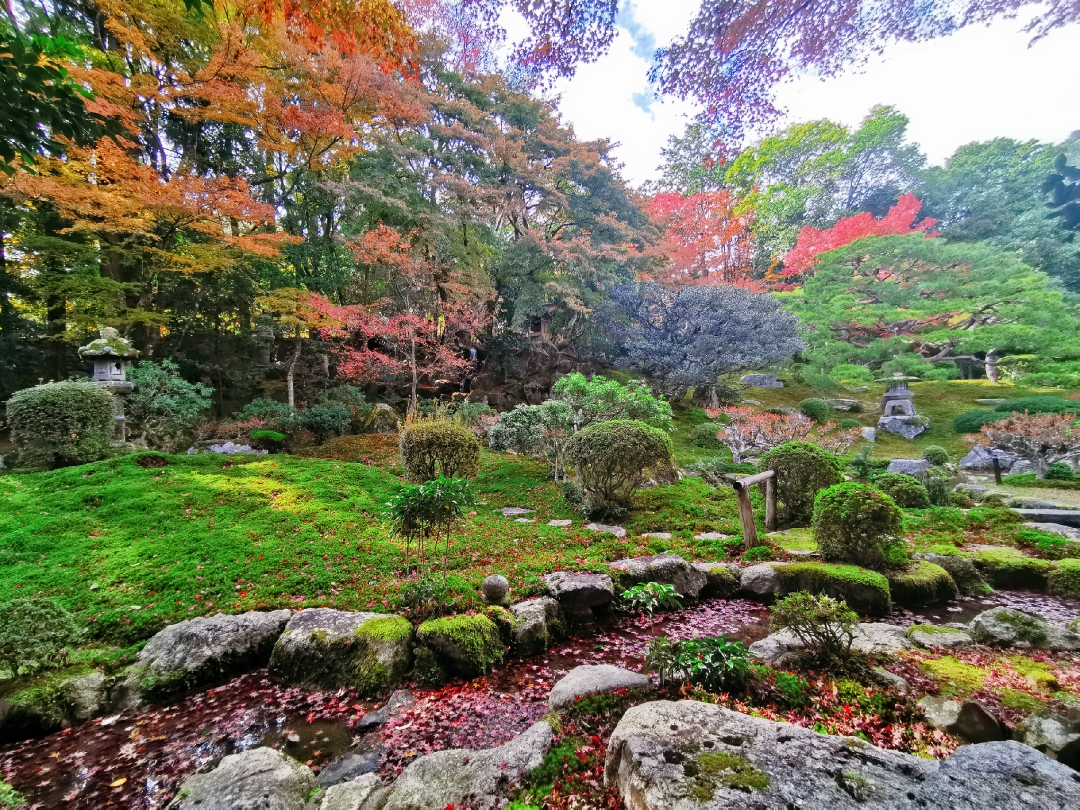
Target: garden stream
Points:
(138, 760)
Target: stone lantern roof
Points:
(109, 345)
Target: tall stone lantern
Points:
(110, 354)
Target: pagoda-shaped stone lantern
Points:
(898, 409)
(110, 354)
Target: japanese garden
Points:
(373, 440)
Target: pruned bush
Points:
(971, 421)
(856, 523)
(814, 408)
(62, 423)
(825, 626)
(163, 405)
(936, 455)
(600, 400)
(907, 491)
(35, 635)
(610, 459)
(269, 410)
(705, 435)
(1060, 471)
(802, 470)
(1040, 403)
(850, 424)
(442, 448)
(325, 421)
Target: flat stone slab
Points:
(592, 679)
(1065, 517)
(525, 520)
(657, 535)
(601, 528)
(711, 536)
(561, 524)
(514, 511)
(945, 637)
(1056, 528)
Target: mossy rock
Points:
(470, 645)
(920, 584)
(1005, 567)
(969, 581)
(49, 702)
(722, 582)
(325, 648)
(1064, 579)
(863, 590)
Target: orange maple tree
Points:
(707, 236)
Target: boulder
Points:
(721, 579)
(667, 569)
(967, 719)
(601, 528)
(932, 636)
(536, 623)
(469, 645)
(892, 679)
(1006, 567)
(872, 638)
(868, 433)
(864, 591)
(257, 779)
(592, 679)
(1004, 627)
(761, 582)
(964, 574)
(399, 700)
(383, 419)
(1070, 532)
(363, 793)
(909, 466)
(687, 755)
(200, 652)
(920, 584)
(495, 588)
(326, 648)
(761, 381)
(348, 768)
(51, 701)
(580, 593)
(1033, 503)
(464, 778)
(1066, 517)
(906, 427)
(1021, 466)
(844, 404)
(982, 457)
(1057, 738)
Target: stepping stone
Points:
(525, 520)
(1056, 528)
(514, 511)
(592, 679)
(600, 528)
(658, 535)
(711, 536)
(562, 524)
(1066, 517)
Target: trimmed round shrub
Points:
(429, 449)
(802, 470)
(1060, 471)
(704, 435)
(971, 421)
(268, 409)
(62, 423)
(856, 523)
(35, 635)
(814, 408)
(906, 491)
(325, 421)
(1041, 403)
(849, 424)
(610, 459)
(936, 455)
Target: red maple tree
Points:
(708, 237)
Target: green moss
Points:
(954, 676)
(795, 540)
(1064, 580)
(1037, 671)
(1008, 568)
(932, 629)
(865, 591)
(731, 770)
(922, 583)
(1015, 699)
(1027, 628)
(471, 642)
(387, 628)
(9, 797)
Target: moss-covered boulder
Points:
(1005, 567)
(1064, 579)
(1003, 627)
(933, 636)
(921, 583)
(721, 579)
(865, 591)
(963, 571)
(469, 645)
(31, 707)
(325, 648)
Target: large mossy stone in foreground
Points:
(1064, 580)
(51, 701)
(257, 779)
(327, 648)
(1005, 567)
(470, 645)
(921, 583)
(863, 590)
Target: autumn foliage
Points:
(750, 431)
(1041, 438)
(708, 237)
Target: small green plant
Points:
(325, 421)
(802, 471)
(857, 524)
(438, 447)
(704, 435)
(428, 512)
(816, 409)
(424, 598)
(35, 634)
(9, 797)
(825, 626)
(651, 596)
(62, 423)
(794, 690)
(1059, 471)
(936, 455)
(714, 664)
(610, 459)
(759, 554)
(907, 491)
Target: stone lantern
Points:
(110, 354)
(898, 410)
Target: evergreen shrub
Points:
(610, 459)
(907, 491)
(802, 470)
(825, 626)
(856, 523)
(936, 455)
(814, 408)
(850, 424)
(325, 421)
(1059, 471)
(705, 435)
(447, 446)
(1041, 403)
(971, 421)
(61, 423)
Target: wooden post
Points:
(746, 509)
(997, 470)
(770, 505)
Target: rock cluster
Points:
(580, 594)
(668, 569)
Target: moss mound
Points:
(1064, 580)
(922, 583)
(470, 645)
(1008, 568)
(863, 590)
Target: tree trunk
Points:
(289, 378)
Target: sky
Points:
(980, 83)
